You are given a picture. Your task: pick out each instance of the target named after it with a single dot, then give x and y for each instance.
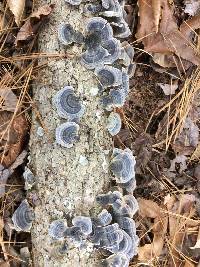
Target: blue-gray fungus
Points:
(116, 260)
(114, 123)
(126, 243)
(104, 218)
(112, 8)
(100, 26)
(127, 224)
(74, 233)
(23, 217)
(84, 223)
(92, 8)
(122, 166)
(132, 203)
(129, 186)
(113, 47)
(67, 134)
(74, 2)
(120, 28)
(66, 34)
(68, 105)
(57, 229)
(29, 178)
(60, 251)
(109, 76)
(94, 57)
(109, 198)
(125, 83)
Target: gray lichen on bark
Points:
(64, 185)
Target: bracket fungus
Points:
(116, 260)
(112, 8)
(57, 229)
(122, 165)
(67, 134)
(114, 123)
(68, 104)
(116, 98)
(29, 178)
(104, 218)
(84, 223)
(23, 217)
(129, 186)
(74, 2)
(67, 35)
(109, 76)
(109, 198)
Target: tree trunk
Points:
(65, 186)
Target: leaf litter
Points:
(160, 125)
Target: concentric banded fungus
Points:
(23, 217)
(114, 123)
(67, 104)
(57, 229)
(92, 9)
(113, 48)
(29, 178)
(94, 58)
(112, 8)
(100, 26)
(109, 198)
(126, 243)
(96, 235)
(104, 218)
(74, 233)
(111, 236)
(67, 134)
(127, 224)
(116, 260)
(66, 34)
(73, 2)
(109, 76)
(120, 28)
(132, 203)
(122, 166)
(84, 223)
(60, 251)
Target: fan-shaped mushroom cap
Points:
(116, 98)
(127, 224)
(121, 28)
(96, 235)
(111, 239)
(112, 8)
(126, 243)
(122, 166)
(57, 229)
(68, 104)
(114, 123)
(114, 51)
(73, 2)
(129, 186)
(104, 218)
(23, 217)
(109, 198)
(60, 251)
(29, 178)
(92, 59)
(66, 34)
(74, 233)
(84, 223)
(100, 26)
(132, 203)
(109, 76)
(92, 8)
(67, 134)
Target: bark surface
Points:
(66, 184)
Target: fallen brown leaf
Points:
(17, 8)
(8, 100)
(150, 209)
(156, 7)
(169, 39)
(168, 89)
(31, 26)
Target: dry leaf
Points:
(8, 100)
(13, 139)
(168, 89)
(178, 164)
(156, 7)
(31, 26)
(148, 208)
(17, 8)
(192, 7)
(169, 39)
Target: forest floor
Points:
(160, 125)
